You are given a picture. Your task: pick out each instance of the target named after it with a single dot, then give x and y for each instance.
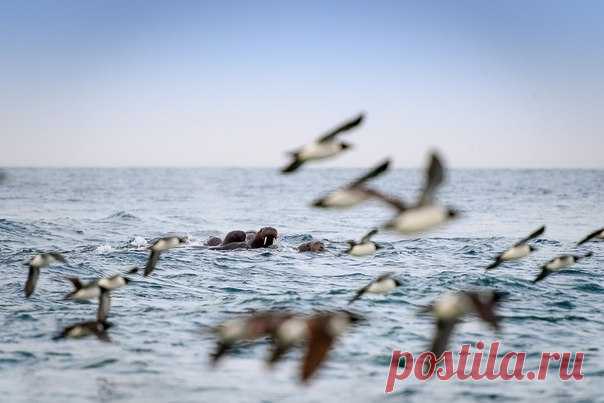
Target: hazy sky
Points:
(194, 83)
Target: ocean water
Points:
(102, 219)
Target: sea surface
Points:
(103, 219)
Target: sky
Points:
(490, 84)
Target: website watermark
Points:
(468, 365)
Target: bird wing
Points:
(152, 262)
(590, 236)
(392, 201)
(77, 284)
(342, 128)
(32, 280)
(374, 172)
(277, 351)
(435, 175)
(360, 293)
(444, 329)
(535, 234)
(294, 165)
(368, 235)
(544, 273)
(104, 305)
(316, 351)
(496, 263)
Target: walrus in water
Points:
(264, 238)
(242, 240)
(213, 241)
(312, 246)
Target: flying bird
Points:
(35, 264)
(519, 250)
(98, 327)
(559, 263)
(353, 193)
(599, 234)
(83, 329)
(381, 285)
(318, 333)
(245, 329)
(365, 246)
(324, 147)
(160, 245)
(449, 309)
(425, 213)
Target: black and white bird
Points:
(354, 193)
(98, 327)
(365, 246)
(559, 263)
(381, 285)
(91, 290)
(318, 333)
(160, 245)
(35, 264)
(425, 214)
(596, 235)
(83, 329)
(324, 147)
(449, 309)
(519, 250)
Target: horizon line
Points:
(9, 167)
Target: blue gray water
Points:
(102, 219)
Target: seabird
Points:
(245, 329)
(83, 329)
(35, 264)
(325, 146)
(365, 246)
(381, 285)
(559, 263)
(425, 214)
(519, 250)
(319, 332)
(160, 245)
(354, 193)
(449, 309)
(91, 290)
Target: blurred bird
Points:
(519, 250)
(599, 234)
(425, 213)
(365, 246)
(319, 332)
(449, 309)
(98, 327)
(35, 264)
(559, 263)
(160, 245)
(92, 289)
(325, 146)
(83, 329)
(381, 285)
(354, 193)
(246, 329)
